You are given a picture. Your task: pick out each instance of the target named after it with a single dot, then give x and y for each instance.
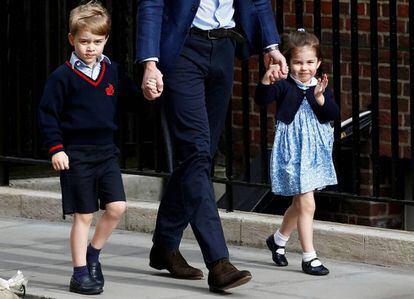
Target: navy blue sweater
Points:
(76, 109)
(289, 97)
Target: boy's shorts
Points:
(92, 180)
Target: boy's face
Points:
(88, 46)
(304, 63)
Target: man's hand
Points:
(277, 58)
(152, 84)
(272, 74)
(320, 89)
(60, 161)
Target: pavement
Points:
(41, 250)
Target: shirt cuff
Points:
(272, 45)
(149, 59)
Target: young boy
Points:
(76, 115)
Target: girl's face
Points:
(304, 64)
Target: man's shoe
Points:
(174, 262)
(318, 270)
(279, 259)
(223, 275)
(86, 286)
(95, 270)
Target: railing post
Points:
(4, 174)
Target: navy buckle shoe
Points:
(318, 270)
(95, 270)
(279, 259)
(85, 286)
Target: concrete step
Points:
(339, 241)
(137, 187)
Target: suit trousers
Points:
(197, 94)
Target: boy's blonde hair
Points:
(298, 39)
(91, 16)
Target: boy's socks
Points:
(281, 241)
(307, 256)
(79, 272)
(92, 254)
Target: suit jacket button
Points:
(193, 8)
(304, 92)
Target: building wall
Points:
(346, 91)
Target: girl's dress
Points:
(301, 159)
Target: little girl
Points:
(301, 159)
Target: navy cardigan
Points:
(289, 97)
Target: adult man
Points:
(189, 46)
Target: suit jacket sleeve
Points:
(149, 21)
(267, 22)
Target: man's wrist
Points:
(150, 64)
(271, 48)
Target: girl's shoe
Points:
(318, 270)
(279, 259)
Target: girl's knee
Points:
(305, 203)
(116, 209)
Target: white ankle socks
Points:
(307, 256)
(280, 240)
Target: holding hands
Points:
(275, 57)
(60, 161)
(152, 83)
(320, 89)
(272, 74)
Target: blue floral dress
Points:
(301, 159)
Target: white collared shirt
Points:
(91, 72)
(213, 14)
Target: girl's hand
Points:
(320, 89)
(272, 74)
(60, 161)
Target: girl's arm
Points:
(266, 94)
(329, 110)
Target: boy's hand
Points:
(272, 74)
(152, 73)
(60, 161)
(320, 89)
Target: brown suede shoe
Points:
(174, 262)
(223, 275)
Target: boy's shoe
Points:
(174, 262)
(318, 270)
(86, 286)
(223, 275)
(95, 270)
(279, 259)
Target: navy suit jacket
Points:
(162, 27)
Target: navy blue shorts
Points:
(92, 180)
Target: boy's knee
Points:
(116, 209)
(84, 218)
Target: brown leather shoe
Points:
(223, 275)
(174, 262)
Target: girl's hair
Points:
(91, 16)
(299, 39)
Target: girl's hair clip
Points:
(301, 30)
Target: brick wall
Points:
(346, 87)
